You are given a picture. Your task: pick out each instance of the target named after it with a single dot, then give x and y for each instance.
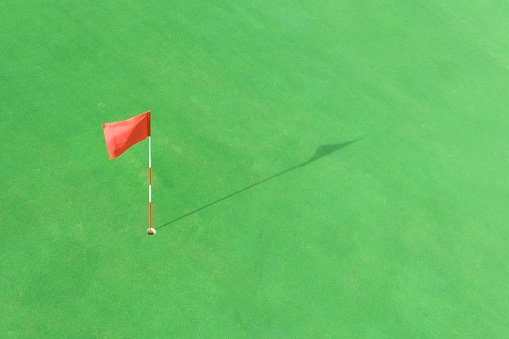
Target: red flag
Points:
(123, 134)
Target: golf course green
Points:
(320, 169)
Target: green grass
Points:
(400, 234)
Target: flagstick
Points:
(149, 188)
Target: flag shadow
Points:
(320, 152)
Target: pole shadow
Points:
(320, 152)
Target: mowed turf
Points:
(402, 233)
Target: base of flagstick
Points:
(151, 231)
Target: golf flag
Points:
(123, 134)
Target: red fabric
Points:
(123, 134)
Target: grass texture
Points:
(400, 234)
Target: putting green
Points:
(395, 225)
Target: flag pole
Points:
(149, 188)
(151, 230)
